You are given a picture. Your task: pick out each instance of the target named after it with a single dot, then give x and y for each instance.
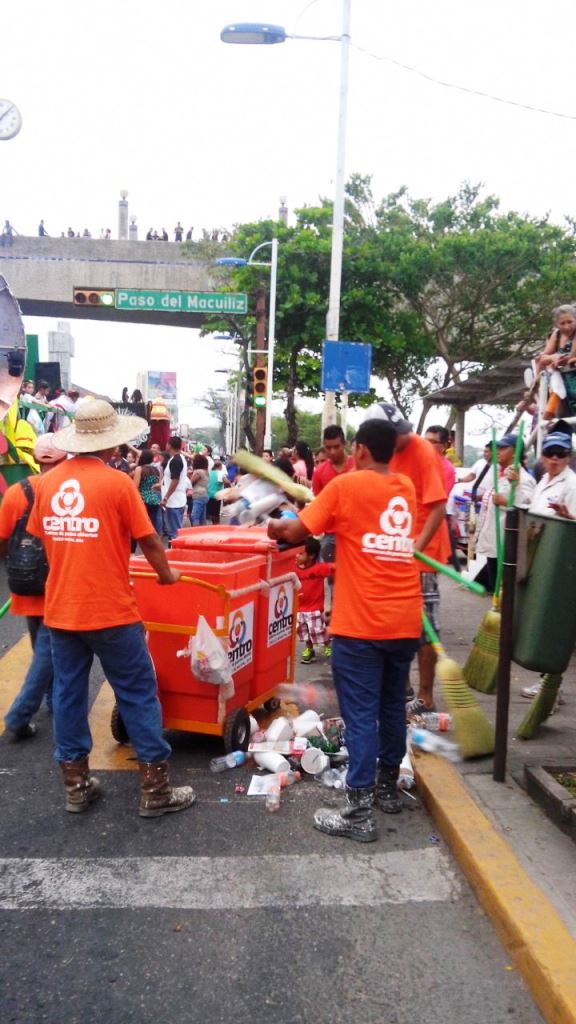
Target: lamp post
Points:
(237, 261)
(268, 34)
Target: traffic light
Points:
(259, 379)
(94, 297)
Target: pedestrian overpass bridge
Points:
(42, 273)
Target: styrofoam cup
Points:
(280, 729)
(272, 761)
(307, 723)
(314, 761)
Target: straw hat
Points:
(97, 427)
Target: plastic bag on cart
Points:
(209, 660)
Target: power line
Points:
(464, 88)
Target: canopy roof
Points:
(502, 385)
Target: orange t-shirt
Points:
(377, 584)
(85, 514)
(14, 505)
(422, 464)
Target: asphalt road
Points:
(228, 913)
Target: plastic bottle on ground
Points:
(406, 778)
(288, 778)
(434, 744)
(273, 798)
(334, 778)
(233, 760)
(435, 721)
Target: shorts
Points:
(213, 508)
(311, 628)
(431, 595)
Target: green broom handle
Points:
(476, 588)
(431, 634)
(5, 608)
(499, 551)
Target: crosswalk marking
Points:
(229, 883)
(13, 667)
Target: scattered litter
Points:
(434, 744)
(280, 729)
(239, 788)
(434, 838)
(224, 800)
(334, 778)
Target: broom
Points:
(472, 730)
(541, 706)
(481, 666)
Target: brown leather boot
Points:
(157, 796)
(81, 787)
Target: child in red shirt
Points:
(312, 573)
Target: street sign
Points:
(181, 302)
(346, 366)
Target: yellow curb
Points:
(13, 668)
(537, 939)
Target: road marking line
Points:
(13, 668)
(228, 883)
(107, 754)
(527, 923)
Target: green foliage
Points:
(437, 289)
(309, 430)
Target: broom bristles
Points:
(481, 668)
(472, 730)
(541, 706)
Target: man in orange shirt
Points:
(38, 681)
(86, 514)
(376, 620)
(416, 457)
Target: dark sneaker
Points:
(24, 732)
(307, 655)
(418, 707)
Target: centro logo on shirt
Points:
(394, 542)
(67, 523)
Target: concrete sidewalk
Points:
(522, 867)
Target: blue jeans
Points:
(37, 684)
(370, 681)
(174, 518)
(155, 516)
(125, 659)
(199, 511)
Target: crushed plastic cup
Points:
(280, 729)
(254, 727)
(314, 761)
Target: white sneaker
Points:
(530, 691)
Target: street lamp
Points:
(237, 261)
(266, 34)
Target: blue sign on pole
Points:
(346, 366)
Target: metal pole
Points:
(271, 344)
(333, 317)
(260, 361)
(506, 643)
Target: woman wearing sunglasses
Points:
(555, 494)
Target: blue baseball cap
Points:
(507, 441)
(557, 440)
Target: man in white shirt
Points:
(174, 485)
(494, 504)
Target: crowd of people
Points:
(9, 233)
(363, 593)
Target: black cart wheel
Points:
(236, 731)
(272, 704)
(117, 726)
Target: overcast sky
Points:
(144, 97)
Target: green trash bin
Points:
(545, 598)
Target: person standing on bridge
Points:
(178, 232)
(42, 233)
(90, 607)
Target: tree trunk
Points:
(290, 410)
